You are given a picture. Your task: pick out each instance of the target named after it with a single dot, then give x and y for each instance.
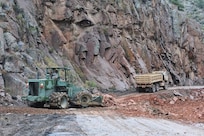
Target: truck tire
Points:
(148, 89)
(165, 87)
(139, 89)
(157, 87)
(59, 100)
(153, 88)
(84, 98)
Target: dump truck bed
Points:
(151, 78)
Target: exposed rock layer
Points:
(106, 42)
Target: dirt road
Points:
(173, 113)
(95, 124)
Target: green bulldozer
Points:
(57, 90)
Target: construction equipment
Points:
(152, 82)
(57, 90)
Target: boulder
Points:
(14, 83)
(13, 64)
(11, 42)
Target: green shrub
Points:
(90, 84)
(178, 3)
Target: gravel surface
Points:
(171, 113)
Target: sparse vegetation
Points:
(32, 29)
(81, 74)
(51, 50)
(50, 62)
(200, 4)
(112, 89)
(178, 3)
(90, 84)
(19, 16)
(105, 30)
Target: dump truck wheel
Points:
(153, 88)
(84, 99)
(165, 87)
(157, 87)
(140, 89)
(59, 100)
(148, 90)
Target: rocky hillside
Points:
(106, 42)
(194, 9)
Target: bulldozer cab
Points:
(63, 74)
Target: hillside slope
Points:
(105, 42)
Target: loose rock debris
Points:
(182, 105)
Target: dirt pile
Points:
(108, 100)
(185, 105)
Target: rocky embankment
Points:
(105, 42)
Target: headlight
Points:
(41, 85)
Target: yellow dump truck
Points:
(152, 82)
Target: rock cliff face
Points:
(105, 41)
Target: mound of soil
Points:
(185, 105)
